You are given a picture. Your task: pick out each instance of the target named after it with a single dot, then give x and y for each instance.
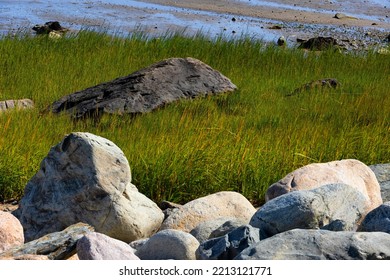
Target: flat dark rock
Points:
(319, 43)
(147, 89)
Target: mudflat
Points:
(359, 13)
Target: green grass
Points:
(243, 141)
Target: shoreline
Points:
(317, 14)
(214, 18)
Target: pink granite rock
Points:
(11, 231)
(350, 172)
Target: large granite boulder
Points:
(303, 244)
(11, 231)
(350, 172)
(86, 178)
(222, 204)
(147, 89)
(312, 209)
(98, 246)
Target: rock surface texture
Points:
(86, 178)
(147, 89)
(301, 244)
(215, 228)
(382, 173)
(230, 245)
(350, 172)
(378, 219)
(97, 246)
(311, 209)
(169, 244)
(211, 207)
(11, 231)
(55, 246)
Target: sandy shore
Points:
(312, 12)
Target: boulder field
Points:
(81, 204)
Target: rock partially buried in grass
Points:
(16, 104)
(328, 83)
(147, 89)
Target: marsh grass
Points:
(243, 141)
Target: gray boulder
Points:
(378, 219)
(147, 89)
(301, 244)
(86, 178)
(349, 171)
(55, 246)
(169, 244)
(97, 246)
(230, 245)
(382, 173)
(311, 209)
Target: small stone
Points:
(282, 41)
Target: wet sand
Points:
(311, 12)
(368, 24)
